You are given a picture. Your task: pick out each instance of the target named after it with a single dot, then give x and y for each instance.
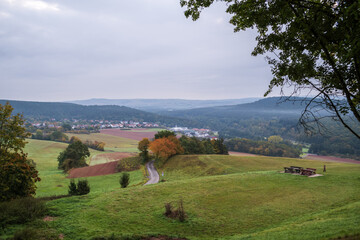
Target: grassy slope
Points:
(54, 182)
(252, 201)
(112, 143)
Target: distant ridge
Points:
(61, 111)
(267, 107)
(157, 105)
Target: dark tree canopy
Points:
(164, 134)
(73, 156)
(315, 49)
(17, 174)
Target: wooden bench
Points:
(308, 171)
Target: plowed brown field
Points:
(97, 170)
(138, 135)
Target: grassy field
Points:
(225, 197)
(249, 204)
(112, 143)
(54, 181)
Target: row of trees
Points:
(166, 144)
(273, 147)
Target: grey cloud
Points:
(125, 49)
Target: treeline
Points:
(266, 148)
(193, 145)
(59, 136)
(166, 145)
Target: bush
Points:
(72, 188)
(35, 234)
(124, 180)
(20, 211)
(128, 164)
(82, 187)
(178, 214)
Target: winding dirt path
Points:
(153, 174)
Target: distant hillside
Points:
(156, 105)
(267, 108)
(60, 111)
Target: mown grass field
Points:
(225, 197)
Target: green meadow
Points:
(225, 197)
(54, 181)
(112, 143)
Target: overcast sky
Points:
(67, 50)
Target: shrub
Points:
(128, 164)
(82, 187)
(124, 180)
(72, 187)
(178, 214)
(21, 210)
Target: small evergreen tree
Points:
(72, 188)
(83, 187)
(124, 180)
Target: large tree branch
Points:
(338, 115)
(320, 40)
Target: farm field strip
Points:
(134, 135)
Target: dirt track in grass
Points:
(135, 135)
(109, 157)
(331, 159)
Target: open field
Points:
(112, 142)
(109, 157)
(54, 181)
(137, 134)
(225, 197)
(250, 203)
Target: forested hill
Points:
(60, 111)
(268, 107)
(157, 105)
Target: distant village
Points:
(196, 132)
(93, 124)
(96, 125)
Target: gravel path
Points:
(153, 174)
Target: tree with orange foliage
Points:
(165, 147)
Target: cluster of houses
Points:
(94, 124)
(195, 132)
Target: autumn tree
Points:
(165, 147)
(314, 49)
(73, 156)
(275, 139)
(143, 147)
(17, 174)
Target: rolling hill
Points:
(157, 105)
(61, 111)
